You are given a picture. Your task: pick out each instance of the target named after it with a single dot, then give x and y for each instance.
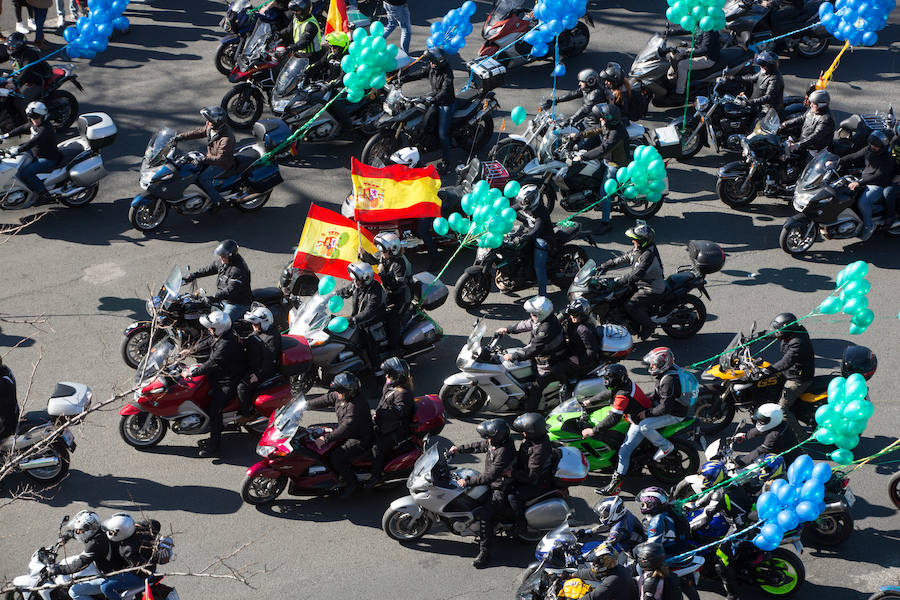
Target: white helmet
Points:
(218, 321)
(260, 315)
(361, 273)
(539, 306)
(84, 525)
(119, 527)
(408, 156)
(768, 416)
(36, 109)
(388, 243)
(528, 198)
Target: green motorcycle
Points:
(567, 420)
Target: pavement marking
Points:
(103, 273)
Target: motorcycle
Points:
(435, 497)
(290, 454)
(238, 23)
(62, 106)
(486, 380)
(511, 266)
(164, 398)
(76, 179)
(51, 465)
(253, 73)
(403, 124)
(894, 490)
(169, 178)
(825, 204)
(886, 592)
(679, 313)
(751, 24)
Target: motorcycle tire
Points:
(50, 475)
(225, 57)
(62, 109)
(886, 595)
(477, 136)
(17, 595)
(146, 218)
(394, 523)
(681, 331)
(83, 198)
(470, 290)
(253, 202)
(142, 421)
(810, 46)
(680, 463)
(792, 239)
(513, 154)
(582, 34)
(640, 209)
(462, 400)
(377, 151)
(136, 344)
(569, 260)
(729, 192)
(304, 382)
(829, 530)
(548, 197)
(697, 144)
(713, 419)
(253, 494)
(790, 564)
(894, 490)
(244, 117)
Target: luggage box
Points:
(98, 129)
(487, 73)
(434, 291)
(264, 178)
(669, 141)
(270, 132)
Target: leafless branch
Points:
(24, 223)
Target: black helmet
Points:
(641, 232)
(615, 377)
(650, 556)
(496, 431)
(614, 74)
(532, 425)
(590, 78)
(766, 59)
(345, 383)
(608, 112)
(879, 139)
(227, 248)
(214, 114)
(304, 7)
(858, 359)
(436, 57)
(820, 98)
(780, 324)
(397, 369)
(579, 307)
(15, 43)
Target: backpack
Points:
(638, 103)
(690, 387)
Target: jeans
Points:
(792, 390)
(632, 440)
(398, 16)
(114, 586)
(29, 174)
(61, 8)
(205, 180)
(582, 176)
(867, 200)
(540, 266)
(86, 590)
(235, 312)
(891, 193)
(650, 425)
(445, 117)
(40, 16)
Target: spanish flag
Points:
(337, 17)
(394, 192)
(330, 242)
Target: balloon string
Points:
(465, 241)
(40, 60)
(754, 47)
(256, 9)
(825, 78)
(687, 88)
(303, 129)
(895, 445)
(568, 220)
(555, 65)
(484, 58)
(715, 543)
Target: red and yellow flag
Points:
(148, 595)
(394, 192)
(330, 242)
(337, 17)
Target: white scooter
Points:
(76, 179)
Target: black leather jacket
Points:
(646, 268)
(816, 130)
(584, 343)
(354, 418)
(368, 302)
(396, 276)
(9, 405)
(768, 90)
(263, 353)
(226, 362)
(589, 100)
(608, 143)
(798, 359)
(498, 463)
(395, 410)
(534, 463)
(548, 340)
(232, 280)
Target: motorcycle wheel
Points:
(570, 261)
(894, 490)
(304, 382)
(13, 200)
(262, 490)
(793, 238)
(146, 218)
(729, 192)
(829, 530)
(886, 595)
(696, 145)
(513, 155)
(548, 197)
(136, 344)
(640, 209)
(810, 47)
(142, 430)
(17, 595)
(470, 291)
(253, 202)
(225, 57)
(680, 463)
(83, 198)
(377, 151)
(582, 37)
(240, 114)
(713, 414)
(462, 400)
(62, 108)
(788, 563)
(399, 525)
(51, 475)
(689, 319)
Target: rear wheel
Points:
(62, 109)
(225, 57)
(797, 236)
(243, 106)
(732, 193)
(809, 46)
(680, 463)
(713, 413)
(570, 261)
(142, 430)
(640, 208)
(470, 290)
(829, 530)
(379, 148)
(462, 400)
(574, 41)
(785, 567)
(82, 198)
(894, 490)
(253, 202)
(688, 317)
(54, 473)
(148, 217)
(513, 155)
(262, 490)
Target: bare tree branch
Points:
(24, 223)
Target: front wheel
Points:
(797, 236)
(783, 573)
(713, 413)
(379, 148)
(136, 345)
(810, 46)
(733, 193)
(894, 490)
(142, 430)
(471, 290)
(513, 155)
(476, 136)
(462, 400)
(54, 473)
(696, 143)
(148, 217)
(262, 490)
(640, 208)
(686, 319)
(243, 106)
(82, 198)
(225, 57)
(252, 202)
(401, 526)
(62, 109)
(679, 463)
(570, 261)
(829, 530)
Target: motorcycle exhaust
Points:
(835, 507)
(39, 463)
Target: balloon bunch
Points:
(844, 417)
(789, 503)
(856, 21)
(90, 35)
(708, 15)
(335, 304)
(490, 215)
(849, 297)
(367, 61)
(554, 17)
(645, 175)
(449, 34)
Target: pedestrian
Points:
(398, 16)
(39, 10)
(61, 21)
(20, 26)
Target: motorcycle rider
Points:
(135, 546)
(42, 144)
(538, 232)
(547, 347)
(86, 528)
(588, 90)
(656, 581)
(263, 351)
(816, 125)
(892, 191)
(798, 363)
(9, 405)
(646, 274)
(394, 413)
(498, 465)
(706, 50)
(220, 143)
(327, 68)
(232, 279)
(778, 437)
(617, 88)
(31, 75)
(768, 84)
(876, 176)
(443, 99)
(225, 367)
(369, 300)
(584, 342)
(303, 34)
(396, 273)
(616, 582)
(532, 473)
(628, 399)
(661, 522)
(623, 530)
(354, 432)
(670, 401)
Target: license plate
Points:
(848, 495)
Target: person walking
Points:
(40, 8)
(398, 16)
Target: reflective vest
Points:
(316, 42)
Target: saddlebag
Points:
(88, 172)
(296, 356)
(98, 129)
(708, 257)
(270, 132)
(487, 73)
(263, 179)
(430, 290)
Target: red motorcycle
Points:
(253, 73)
(166, 399)
(290, 454)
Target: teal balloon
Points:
(856, 287)
(610, 186)
(846, 442)
(392, 50)
(657, 185)
(830, 305)
(653, 196)
(377, 28)
(348, 64)
(377, 82)
(657, 169)
(481, 188)
(836, 388)
(496, 224)
(857, 410)
(857, 270)
(441, 226)
(355, 95)
(698, 11)
(824, 436)
(512, 188)
(825, 414)
(454, 220)
(857, 426)
(499, 204)
(857, 329)
(494, 193)
(630, 192)
(326, 285)
(854, 304)
(335, 304)
(491, 240)
(842, 456)
(338, 324)
(378, 44)
(857, 388)
(467, 203)
(508, 214)
(518, 115)
(707, 23)
(359, 35)
(863, 317)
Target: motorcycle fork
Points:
(754, 167)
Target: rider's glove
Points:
(14, 150)
(54, 570)
(3, 136)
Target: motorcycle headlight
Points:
(146, 178)
(493, 31)
(265, 451)
(701, 103)
(281, 105)
(802, 199)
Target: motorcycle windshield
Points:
(474, 342)
(569, 406)
(733, 8)
(171, 286)
(504, 8)
(290, 75)
(257, 40)
(287, 418)
(153, 363)
(649, 51)
(768, 124)
(816, 170)
(585, 273)
(426, 463)
(239, 5)
(313, 316)
(725, 358)
(561, 535)
(157, 148)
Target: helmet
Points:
(712, 473)
(436, 57)
(388, 243)
(338, 39)
(304, 7)
(36, 109)
(858, 359)
(84, 525)
(528, 197)
(641, 232)
(260, 315)
(227, 248)
(397, 369)
(361, 273)
(214, 114)
(771, 467)
(650, 556)
(653, 500)
(766, 59)
(781, 324)
(608, 112)
(15, 43)
(603, 557)
(768, 417)
(218, 321)
(821, 98)
(615, 377)
(589, 77)
(610, 510)
(659, 360)
(345, 383)
(119, 527)
(540, 307)
(496, 431)
(879, 139)
(579, 308)
(532, 425)
(614, 74)
(408, 156)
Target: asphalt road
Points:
(76, 278)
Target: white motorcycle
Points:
(76, 179)
(52, 464)
(487, 381)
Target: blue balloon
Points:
(82, 25)
(465, 29)
(825, 9)
(98, 45)
(800, 469)
(100, 15)
(69, 34)
(787, 519)
(458, 41)
(869, 38)
(99, 4)
(812, 491)
(821, 472)
(855, 38)
(569, 21)
(539, 50)
(806, 511)
(89, 54)
(555, 26)
(468, 8)
(121, 23)
(765, 544)
(559, 70)
(73, 52)
(118, 7)
(788, 495)
(437, 27)
(771, 531)
(767, 506)
(777, 485)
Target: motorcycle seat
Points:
(34, 417)
(268, 295)
(242, 159)
(69, 152)
(677, 280)
(541, 498)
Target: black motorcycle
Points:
(749, 23)
(62, 106)
(511, 266)
(253, 74)
(680, 313)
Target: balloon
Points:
(856, 388)
(610, 186)
(857, 270)
(864, 317)
(508, 214)
(824, 436)
(821, 472)
(360, 34)
(825, 414)
(441, 226)
(777, 485)
(118, 7)
(788, 494)
(800, 469)
(335, 304)
(765, 544)
(771, 531)
(812, 491)
(767, 505)
(105, 29)
(492, 240)
(559, 70)
(518, 115)
(830, 305)
(842, 456)
(806, 511)
(326, 285)
(622, 175)
(468, 8)
(499, 204)
(854, 305)
(69, 34)
(539, 49)
(856, 287)
(355, 95)
(82, 25)
(688, 23)
(99, 15)
(338, 324)
(511, 189)
(377, 28)
(787, 519)
(653, 196)
(378, 82)
(121, 23)
(98, 45)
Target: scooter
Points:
(76, 179)
(435, 497)
(290, 455)
(52, 464)
(62, 106)
(486, 381)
